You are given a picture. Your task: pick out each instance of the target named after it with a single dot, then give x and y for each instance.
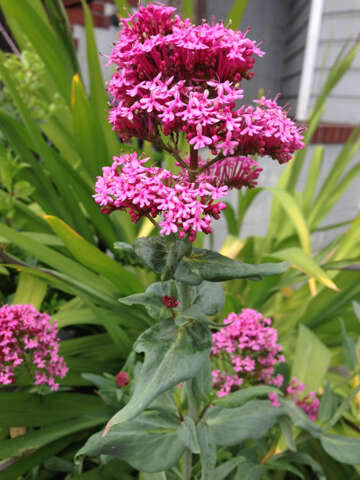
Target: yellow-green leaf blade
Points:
(304, 262)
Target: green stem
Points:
(192, 413)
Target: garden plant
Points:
(193, 380)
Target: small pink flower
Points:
(170, 301)
(200, 140)
(122, 379)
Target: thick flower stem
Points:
(194, 163)
(191, 400)
(192, 413)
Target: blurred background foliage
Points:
(57, 249)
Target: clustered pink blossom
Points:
(309, 403)
(29, 337)
(246, 351)
(172, 76)
(185, 207)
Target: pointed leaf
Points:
(236, 399)
(30, 290)
(311, 361)
(207, 451)
(93, 258)
(343, 449)
(305, 263)
(152, 442)
(294, 213)
(172, 355)
(213, 267)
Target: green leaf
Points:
(231, 426)
(236, 13)
(207, 451)
(343, 449)
(226, 468)
(236, 399)
(30, 290)
(189, 435)
(16, 447)
(172, 355)
(311, 361)
(348, 348)
(210, 298)
(152, 299)
(152, 442)
(29, 461)
(46, 410)
(154, 476)
(302, 459)
(356, 307)
(86, 129)
(299, 417)
(231, 221)
(176, 251)
(56, 260)
(201, 264)
(341, 409)
(313, 176)
(43, 39)
(152, 252)
(93, 258)
(327, 404)
(187, 9)
(250, 471)
(60, 23)
(202, 383)
(214, 267)
(295, 215)
(305, 263)
(287, 432)
(98, 96)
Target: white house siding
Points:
(296, 26)
(340, 23)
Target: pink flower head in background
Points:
(186, 208)
(174, 76)
(309, 403)
(245, 351)
(26, 335)
(122, 379)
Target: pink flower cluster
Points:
(309, 403)
(246, 351)
(233, 172)
(186, 208)
(172, 76)
(28, 336)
